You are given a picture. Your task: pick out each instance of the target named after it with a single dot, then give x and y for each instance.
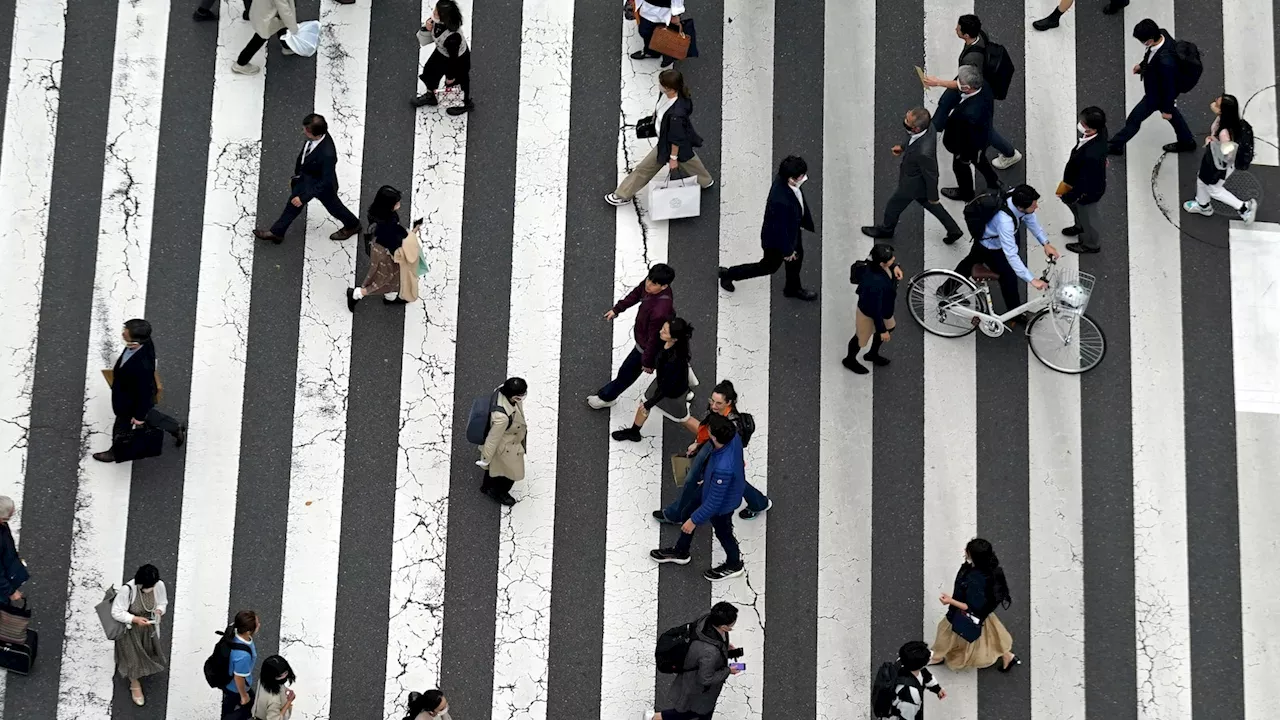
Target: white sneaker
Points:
(613, 199)
(246, 69)
(596, 403)
(1004, 163)
(1250, 211)
(1192, 206)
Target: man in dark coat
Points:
(917, 179)
(315, 176)
(695, 691)
(1085, 180)
(1159, 72)
(133, 389)
(785, 215)
(966, 132)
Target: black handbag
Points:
(964, 624)
(647, 127)
(136, 443)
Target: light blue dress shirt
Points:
(1002, 234)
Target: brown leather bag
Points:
(672, 43)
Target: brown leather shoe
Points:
(104, 456)
(268, 235)
(345, 233)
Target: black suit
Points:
(966, 132)
(918, 182)
(133, 391)
(1086, 173)
(785, 216)
(315, 177)
(1159, 72)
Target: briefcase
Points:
(143, 441)
(675, 198)
(19, 657)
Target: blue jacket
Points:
(722, 482)
(12, 572)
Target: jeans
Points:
(330, 202)
(1002, 146)
(723, 526)
(628, 373)
(1143, 110)
(682, 508)
(768, 265)
(232, 709)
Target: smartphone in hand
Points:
(740, 667)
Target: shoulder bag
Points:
(110, 627)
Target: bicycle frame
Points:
(955, 306)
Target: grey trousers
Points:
(901, 201)
(1086, 217)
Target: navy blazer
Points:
(676, 129)
(318, 174)
(12, 572)
(966, 129)
(1160, 75)
(784, 218)
(133, 390)
(1086, 172)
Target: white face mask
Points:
(1081, 130)
(799, 181)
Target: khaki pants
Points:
(650, 166)
(866, 327)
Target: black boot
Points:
(874, 353)
(629, 433)
(1049, 22)
(851, 359)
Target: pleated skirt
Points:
(961, 654)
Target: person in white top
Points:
(274, 701)
(430, 705)
(1222, 147)
(652, 14)
(140, 604)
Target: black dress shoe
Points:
(351, 299)
(1082, 249)
(462, 109)
(201, 14)
(952, 237)
(426, 98)
(345, 233)
(268, 235)
(180, 438)
(801, 294)
(1047, 23)
(952, 193)
(107, 456)
(725, 282)
(245, 15)
(667, 62)
(1072, 231)
(1179, 147)
(644, 55)
(877, 232)
(1114, 7)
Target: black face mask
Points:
(910, 130)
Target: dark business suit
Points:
(315, 177)
(918, 182)
(133, 392)
(966, 133)
(1159, 72)
(1086, 173)
(784, 219)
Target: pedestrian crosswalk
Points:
(327, 482)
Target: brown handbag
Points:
(672, 43)
(680, 467)
(14, 620)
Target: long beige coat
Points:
(269, 17)
(407, 258)
(504, 447)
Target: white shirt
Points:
(966, 96)
(917, 136)
(664, 104)
(311, 145)
(1084, 139)
(660, 15)
(799, 197)
(120, 608)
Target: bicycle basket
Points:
(1070, 291)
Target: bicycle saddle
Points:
(982, 272)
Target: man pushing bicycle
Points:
(993, 220)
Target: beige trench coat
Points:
(504, 447)
(407, 258)
(269, 17)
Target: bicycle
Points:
(1060, 334)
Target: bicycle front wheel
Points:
(935, 297)
(1069, 344)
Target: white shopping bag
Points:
(307, 39)
(673, 199)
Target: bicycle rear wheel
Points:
(933, 296)
(1071, 345)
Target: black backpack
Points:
(884, 688)
(673, 647)
(217, 667)
(997, 69)
(1244, 146)
(1187, 58)
(979, 211)
(746, 427)
(479, 421)
(858, 271)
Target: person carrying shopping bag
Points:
(1229, 132)
(412, 264)
(387, 236)
(676, 142)
(450, 60)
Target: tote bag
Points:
(110, 627)
(672, 199)
(307, 39)
(14, 620)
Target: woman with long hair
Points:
(273, 700)
(676, 141)
(970, 635)
(502, 455)
(383, 277)
(451, 58)
(139, 605)
(669, 391)
(1219, 162)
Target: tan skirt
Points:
(961, 654)
(384, 275)
(866, 327)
